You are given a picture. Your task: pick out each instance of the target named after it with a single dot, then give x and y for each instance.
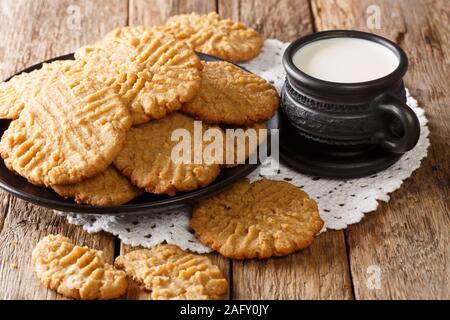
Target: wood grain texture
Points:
(354, 14)
(32, 31)
(319, 272)
(156, 12)
(282, 19)
(299, 276)
(407, 237)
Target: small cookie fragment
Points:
(259, 220)
(232, 96)
(152, 72)
(171, 273)
(212, 35)
(146, 158)
(76, 272)
(71, 128)
(108, 188)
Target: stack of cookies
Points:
(98, 128)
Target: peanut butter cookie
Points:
(230, 95)
(13, 93)
(108, 188)
(171, 273)
(76, 272)
(259, 220)
(152, 71)
(209, 34)
(70, 129)
(244, 142)
(147, 157)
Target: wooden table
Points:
(407, 238)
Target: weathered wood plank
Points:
(36, 30)
(156, 12)
(304, 275)
(32, 31)
(358, 15)
(284, 20)
(319, 272)
(407, 237)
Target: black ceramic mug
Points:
(350, 114)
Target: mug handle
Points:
(387, 108)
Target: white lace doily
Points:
(341, 202)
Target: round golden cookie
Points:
(70, 129)
(146, 158)
(108, 188)
(76, 272)
(244, 144)
(209, 34)
(230, 95)
(171, 273)
(259, 220)
(13, 93)
(152, 71)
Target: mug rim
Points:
(299, 77)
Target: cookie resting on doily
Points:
(341, 202)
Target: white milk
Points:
(345, 60)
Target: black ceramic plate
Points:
(145, 204)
